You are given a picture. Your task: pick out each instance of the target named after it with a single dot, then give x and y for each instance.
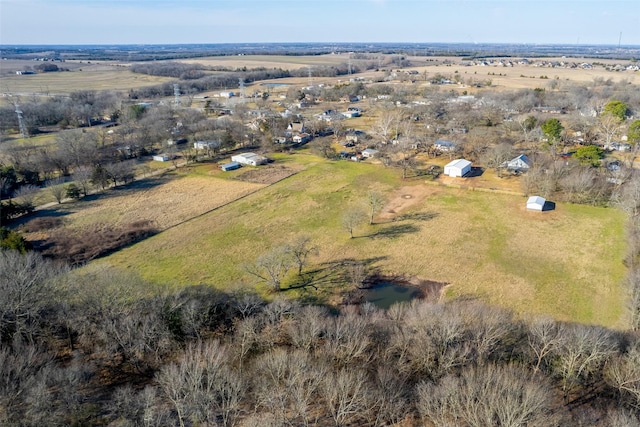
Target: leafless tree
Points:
(347, 339)
(272, 267)
(27, 287)
(201, 386)
(346, 394)
(26, 193)
(487, 395)
(351, 219)
(608, 127)
(56, 188)
(307, 327)
(495, 156)
(82, 176)
(120, 171)
(287, 383)
(387, 126)
(581, 354)
(542, 338)
(623, 373)
(301, 249)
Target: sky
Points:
(275, 21)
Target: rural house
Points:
(457, 168)
(444, 145)
(369, 153)
(206, 145)
(522, 163)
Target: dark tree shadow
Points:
(330, 274)
(417, 216)
(394, 231)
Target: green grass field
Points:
(566, 263)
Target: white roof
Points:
(458, 163)
(536, 200)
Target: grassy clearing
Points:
(98, 79)
(566, 263)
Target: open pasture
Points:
(166, 201)
(566, 263)
(286, 62)
(96, 77)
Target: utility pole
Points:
(23, 128)
(176, 94)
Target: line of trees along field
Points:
(99, 348)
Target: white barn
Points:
(251, 159)
(535, 203)
(457, 168)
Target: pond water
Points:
(275, 84)
(385, 294)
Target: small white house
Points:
(161, 158)
(369, 153)
(444, 145)
(251, 159)
(206, 145)
(535, 203)
(457, 168)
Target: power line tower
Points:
(23, 127)
(176, 94)
(242, 91)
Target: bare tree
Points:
(56, 188)
(375, 202)
(487, 395)
(301, 249)
(272, 267)
(387, 126)
(608, 127)
(623, 373)
(543, 337)
(27, 287)
(581, 354)
(351, 219)
(346, 395)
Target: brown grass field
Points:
(166, 201)
(99, 77)
(565, 263)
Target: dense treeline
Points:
(102, 348)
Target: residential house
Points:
(370, 153)
(522, 163)
(444, 145)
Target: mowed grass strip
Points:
(566, 263)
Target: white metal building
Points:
(457, 168)
(251, 159)
(535, 203)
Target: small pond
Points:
(275, 84)
(385, 294)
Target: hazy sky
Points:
(231, 21)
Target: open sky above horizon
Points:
(273, 21)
